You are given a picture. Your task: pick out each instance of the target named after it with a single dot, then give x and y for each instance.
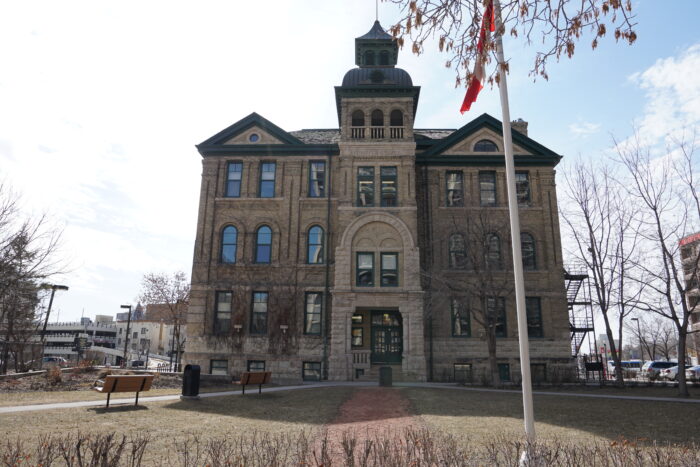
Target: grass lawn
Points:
(164, 422)
(482, 415)
(9, 399)
(639, 391)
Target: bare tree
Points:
(482, 288)
(28, 255)
(656, 336)
(555, 26)
(173, 293)
(605, 232)
(667, 200)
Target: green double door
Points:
(387, 337)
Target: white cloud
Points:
(673, 92)
(581, 129)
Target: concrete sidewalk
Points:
(101, 403)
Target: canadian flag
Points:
(477, 82)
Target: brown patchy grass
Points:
(636, 391)
(221, 417)
(10, 399)
(479, 416)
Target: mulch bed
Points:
(79, 380)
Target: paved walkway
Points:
(101, 402)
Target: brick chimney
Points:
(519, 125)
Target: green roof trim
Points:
(269, 150)
(521, 160)
(242, 125)
(485, 120)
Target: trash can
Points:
(190, 382)
(385, 376)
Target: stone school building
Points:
(328, 253)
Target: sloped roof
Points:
(377, 32)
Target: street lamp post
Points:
(54, 288)
(639, 336)
(128, 329)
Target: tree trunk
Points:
(493, 362)
(682, 384)
(619, 377)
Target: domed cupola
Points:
(376, 48)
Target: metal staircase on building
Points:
(578, 301)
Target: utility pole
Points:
(128, 329)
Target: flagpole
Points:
(528, 412)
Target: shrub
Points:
(54, 376)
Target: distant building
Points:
(62, 340)
(690, 249)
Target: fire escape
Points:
(578, 301)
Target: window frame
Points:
(261, 180)
(501, 330)
(451, 202)
(479, 145)
(304, 370)
(253, 326)
(504, 368)
(211, 367)
(387, 189)
(518, 184)
(321, 245)
(455, 315)
(258, 245)
(218, 327)
(229, 180)
(484, 176)
(529, 261)
(321, 185)
(382, 270)
(250, 363)
(308, 316)
(358, 270)
(369, 182)
(452, 260)
(493, 257)
(224, 244)
(533, 312)
(361, 336)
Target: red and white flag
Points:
(477, 82)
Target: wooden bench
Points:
(254, 377)
(123, 383)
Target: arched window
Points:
(369, 57)
(263, 245)
(493, 251)
(485, 145)
(458, 252)
(384, 58)
(377, 118)
(358, 118)
(314, 249)
(229, 243)
(527, 246)
(396, 118)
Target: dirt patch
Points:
(80, 380)
(369, 413)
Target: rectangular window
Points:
(522, 188)
(311, 371)
(356, 319)
(317, 179)
(390, 269)
(222, 318)
(462, 372)
(144, 330)
(365, 269)
(504, 371)
(387, 178)
(496, 310)
(255, 365)
(218, 367)
(357, 337)
(136, 335)
(461, 325)
(487, 188)
(534, 317)
(258, 322)
(539, 372)
(267, 180)
(365, 186)
(455, 189)
(233, 179)
(312, 313)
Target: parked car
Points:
(653, 369)
(693, 373)
(669, 374)
(630, 368)
(138, 364)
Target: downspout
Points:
(326, 288)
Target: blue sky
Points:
(101, 105)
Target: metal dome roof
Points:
(377, 76)
(377, 32)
